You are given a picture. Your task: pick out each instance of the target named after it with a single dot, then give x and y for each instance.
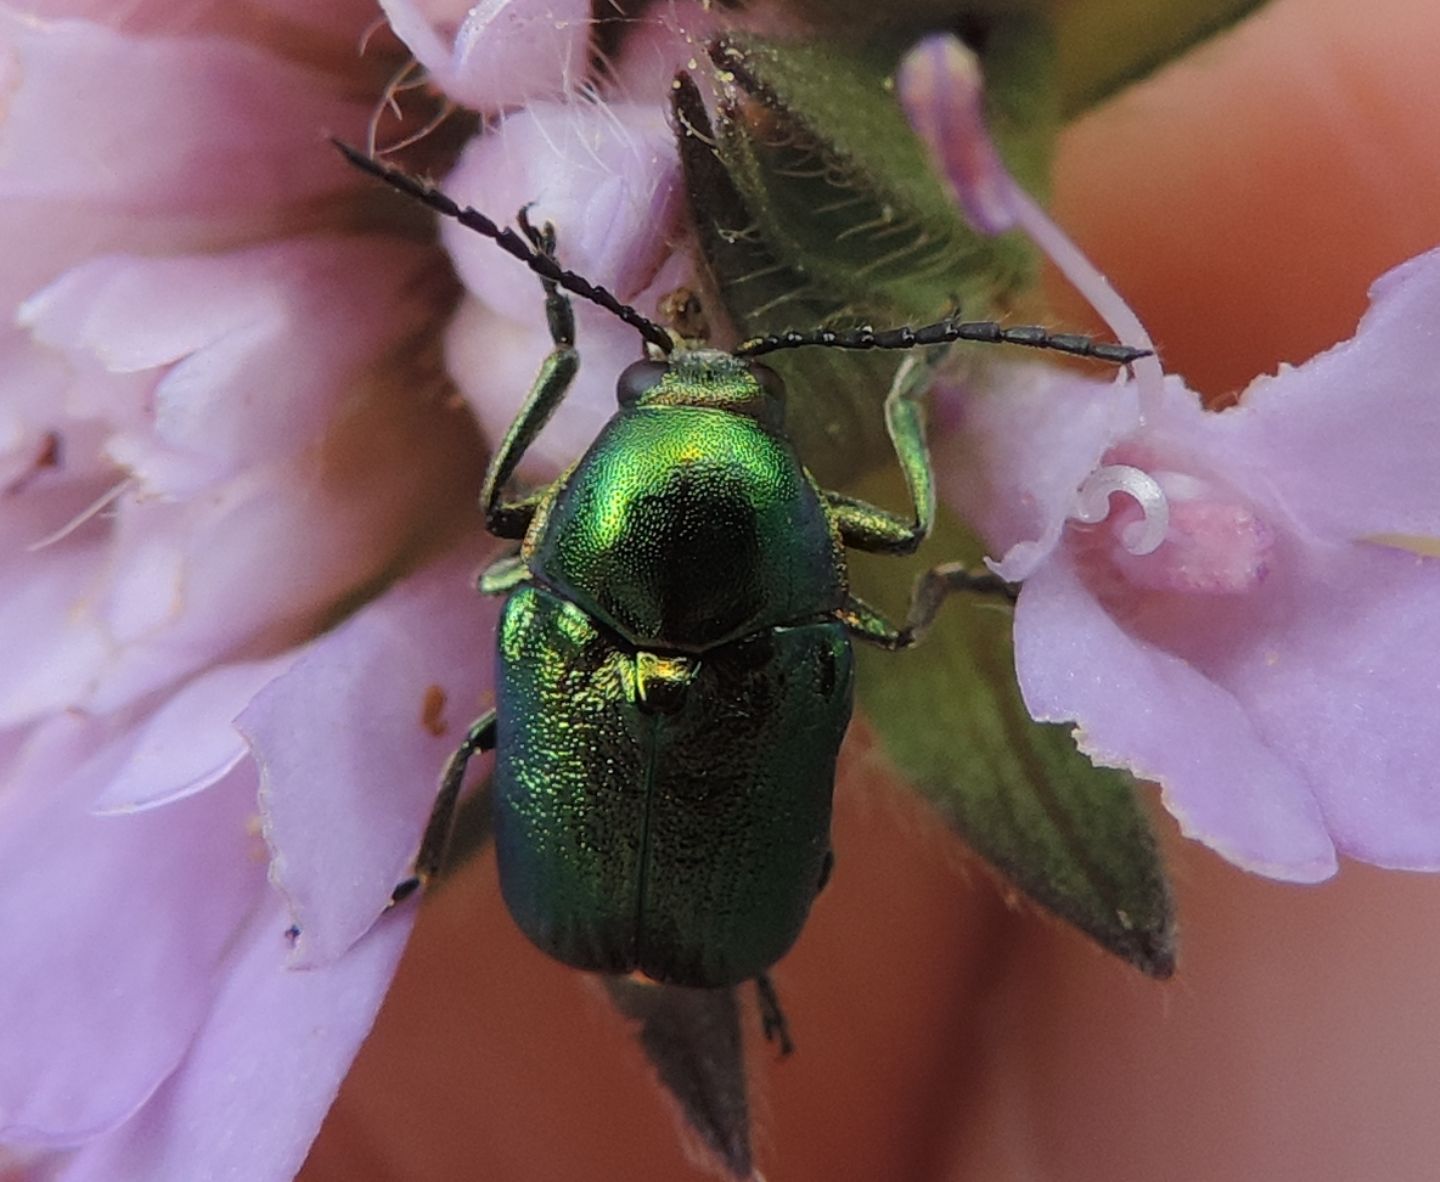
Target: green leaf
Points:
(1018, 58)
(1105, 45)
(815, 143)
(949, 713)
(799, 226)
(692, 1039)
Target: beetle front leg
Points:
(511, 519)
(478, 739)
(931, 590)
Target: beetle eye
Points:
(638, 379)
(770, 381)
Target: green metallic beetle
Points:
(675, 670)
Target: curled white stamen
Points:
(1092, 505)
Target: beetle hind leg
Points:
(772, 1018)
(478, 739)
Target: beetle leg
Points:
(930, 591)
(503, 575)
(479, 738)
(864, 526)
(559, 314)
(511, 519)
(772, 1017)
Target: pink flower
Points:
(215, 432)
(1253, 624)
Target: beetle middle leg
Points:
(772, 1018)
(931, 590)
(479, 739)
(867, 527)
(503, 575)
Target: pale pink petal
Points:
(939, 87)
(32, 390)
(1352, 435)
(1014, 446)
(1323, 645)
(418, 23)
(1340, 677)
(503, 52)
(268, 553)
(1330, 648)
(148, 906)
(351, 743)
(188, 744)
(606, 176)
(1147, 710)
(246, 139)
(50, 655)
(263, 1070)
(665, 38)
(289, 24)
(251, 353)
(509, 51)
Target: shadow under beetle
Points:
(675, 670)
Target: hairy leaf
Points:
(692, 1039)
(1071, 836)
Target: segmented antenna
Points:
(943, 333)
(509, 241)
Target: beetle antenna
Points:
(943, 332)
(543, 265)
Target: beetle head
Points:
(705, 378)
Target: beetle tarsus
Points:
(478, 739)
(932, 588)
(559, 314)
